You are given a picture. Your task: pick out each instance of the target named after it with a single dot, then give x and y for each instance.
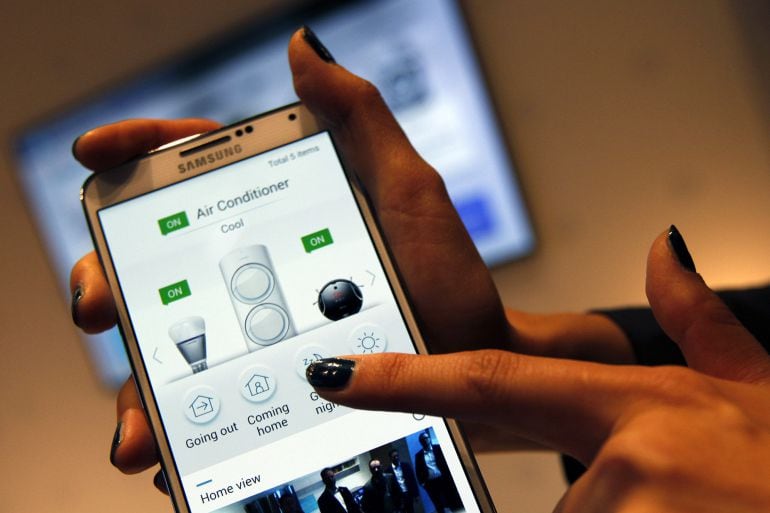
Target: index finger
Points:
(567, 405)
(111, 145)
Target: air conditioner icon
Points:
(256, 296)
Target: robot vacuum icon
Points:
(339, 299)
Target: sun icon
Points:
(368, 339)
(368, 342)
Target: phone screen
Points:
(234, 281)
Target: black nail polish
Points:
(317, 45)
(160, 481)
(77, 295)
(676, 241)
(117, 439)
(74, 144)
(330, 372)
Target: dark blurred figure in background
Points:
(404, 477)
(335, 499)
(433, 474)
(378, 491)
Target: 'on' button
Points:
(317, 240)
(173, 223)
(174, 292)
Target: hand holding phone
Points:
(425, 234)
(449, 285)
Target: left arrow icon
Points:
(155, 356)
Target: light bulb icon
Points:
(189, 335)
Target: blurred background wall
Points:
(623, 117)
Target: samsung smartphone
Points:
(237, 258)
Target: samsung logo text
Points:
(210, 158)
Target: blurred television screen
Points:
(419, 54)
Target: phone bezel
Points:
(158, 169)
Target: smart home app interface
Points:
(235, 281)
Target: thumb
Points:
(374, 146)
(711, 338)
(409, 198)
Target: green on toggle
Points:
(174, 292)
(173, 222)
(317, 240)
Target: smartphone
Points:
(236, 259)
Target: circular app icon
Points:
(339, 299)
(267, 324)
(201, 404)
(368, 339)
(257, 383)
(252, 283)
(308, 355)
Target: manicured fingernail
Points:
(77, 295)
(316, 44)
(330, 372)
(676, 241)
(160, 481)
(117, 439)
(74, 145)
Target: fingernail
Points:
(160, 481)
(676, 241)
(77, 295)
(74, 145)
(330, 372)
(317, 45)
(117, 439)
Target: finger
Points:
(410, 201)
(133, 447)
(111, 145)
(352, 107)
(372, 140)
(590, 337)
(93, 308)
(711, 338)
(567, 405)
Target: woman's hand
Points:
(93, 308)
(434, 253)
(668, 439)
(432, 249)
